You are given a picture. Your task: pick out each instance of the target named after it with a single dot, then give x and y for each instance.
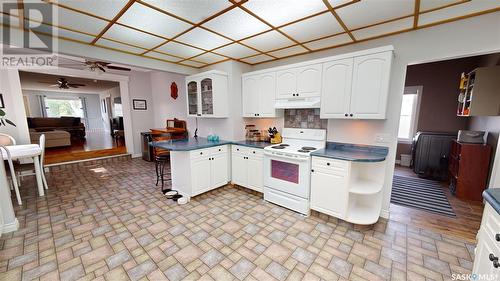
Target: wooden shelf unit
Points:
(479, 92)
(468, 169)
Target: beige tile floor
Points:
(108, 221)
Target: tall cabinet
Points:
(207, 94)
(259, 93)
(357, 87)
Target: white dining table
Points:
(24, 151)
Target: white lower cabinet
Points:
(347, 190)
(486, 261)
(200, 170)
(247, 167)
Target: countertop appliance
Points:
(465, 136)
(287, 168)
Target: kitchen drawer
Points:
(257, 152)
(491, 224)
(329, 164)
(199, 153)
(239, 149)
(218, 149)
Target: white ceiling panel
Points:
(288, 51)
(106, 9)
(426, 5)
(193, 63)
(337, 3)
(257, 59)
(153, 21)
(209, 58)
(329, 42)
(203, 39)
(192, 10)
(74, 20)
(131, 36)
(162, 56)
(314, 28)
(236, 51)
(60, 32)
(279, 12)
(268, 41)
(236, 24)
(457, 11)
(368, 12)
(119, 46)
(382, 29)
(179, 50)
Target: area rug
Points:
(422, 194)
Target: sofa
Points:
(72, 125)
(52, 138)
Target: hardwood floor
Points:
(465, 224)
(96, 144)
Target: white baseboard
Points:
(384, 214)
(9, 227)
(136, 155)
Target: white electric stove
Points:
(287, 168)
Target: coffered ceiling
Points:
(198, 33)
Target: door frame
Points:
(124, 94)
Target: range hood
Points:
(311, 102)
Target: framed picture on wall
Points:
(2, 105)
(139, 104)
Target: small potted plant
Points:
(3, 119)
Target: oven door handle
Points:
(283, 156)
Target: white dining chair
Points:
(8, 140)
(29, 170)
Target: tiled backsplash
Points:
(304, 118)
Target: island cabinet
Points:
(247, 167)
(259, 95)
(356, 87)
(207, 94)
(202, 169)
(347, 190)
(487, 253)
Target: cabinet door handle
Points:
(497, 237)
(346, 115)
(351, 115)
(201, 153)
(312, 170)
(328, 164)
(496, 264)
(220, 149)
(492, 257)
(254, 152)
(237, 149)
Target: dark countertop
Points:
(492, 196)
(189, 144)
(253, 144)
(353, 152)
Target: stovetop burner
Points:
(303, 150)
(284, 144)
(308, 148)
(278, 147)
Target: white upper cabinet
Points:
(309, 81)
(336, 90)
(356, 88)
(370, 85)
(207, 94)
(299, 82)
(259, 95)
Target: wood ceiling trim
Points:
(416, 14)
(339, 20)
(20, 7)
(240, 5)
(116, 18)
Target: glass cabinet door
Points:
(192, 98)
(207, 100)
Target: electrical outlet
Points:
(382, 138)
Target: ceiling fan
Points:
(102, 66)
(62, 83)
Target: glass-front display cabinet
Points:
(207, 94)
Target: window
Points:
(57, 107)
(408, 118)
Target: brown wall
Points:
(438, 105)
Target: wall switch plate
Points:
(382, 138)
